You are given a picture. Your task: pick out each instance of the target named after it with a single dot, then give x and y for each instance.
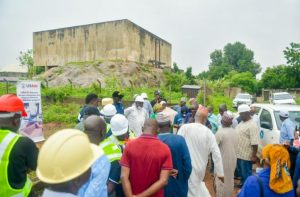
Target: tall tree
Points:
(233, 57)
(279, 77)
(189, 76)
(176, 68)
(292, 55)
(241, 58)
(26, 59)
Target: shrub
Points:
(65, 113)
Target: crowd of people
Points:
(149, 149)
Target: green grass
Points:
(64, 113)
(298, 101)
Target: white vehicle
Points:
(270, 122)
(282, 98)
(242, 98)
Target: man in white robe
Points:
(201, 142)
(136, 116)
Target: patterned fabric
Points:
(278, 158)
(248, 135)
(96, 186)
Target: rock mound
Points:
(84, 74)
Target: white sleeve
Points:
(127, 111)
(181, 131)
(216, 155)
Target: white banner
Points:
(32, 125)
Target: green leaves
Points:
(233, 57)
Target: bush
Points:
(57, 94)
(65, 113)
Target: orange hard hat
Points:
(12, 103)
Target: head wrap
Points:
(162, 117)
(157, 107)
(279, 160)
(227, 119)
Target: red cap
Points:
(12, 103)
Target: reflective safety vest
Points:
(7, 142)
(112, 148)
(108, 126)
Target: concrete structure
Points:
(13, 71)
(190, 90)
(114, 40)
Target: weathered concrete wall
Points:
(102, 41)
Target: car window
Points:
(243, 96)
(282, 96)
(265, 117)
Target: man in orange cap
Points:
(18, 154)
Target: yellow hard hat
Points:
(106, 101)
(66, 155)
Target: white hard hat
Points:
(243, 108)
(139, 99)
(119, 125)
(284, 114)
(106, 101)
(67, 154)
(109, 110)
(144, 95)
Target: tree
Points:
(175, 80)
(233, 57)
(292, 55)
(279, 77)
(26, 59)
(244, 80)
(189, 76)
(175, 68)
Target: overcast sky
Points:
(194, 27)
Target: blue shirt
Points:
(181, 162)
(295, 160)
(148, 107)
(251, 186)
(96, 185)
(178, 119)
(287, 130)
(119, 108)
(213, 120)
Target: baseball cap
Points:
(117, 94)
(11, 104)
(60, 160)
(119, 125)
(243, 108)
(139, 99)
(91, 110)
(284, 114)
(184, 110)
(109, 110)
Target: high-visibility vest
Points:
(7, 142)
(108, 126)
(112, 148)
